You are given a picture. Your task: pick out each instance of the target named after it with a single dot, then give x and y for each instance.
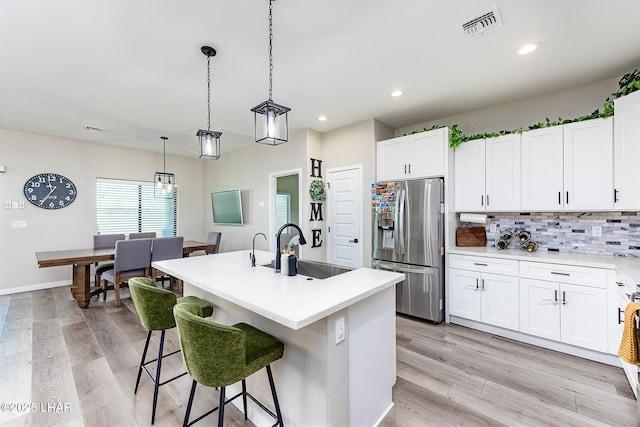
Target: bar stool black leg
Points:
(221, 408)
(275, 396)
(244, 397)
(186, 415)
(156, 386)
(144, 356)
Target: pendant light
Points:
(208, 140)
(271, 120)
(164, 181)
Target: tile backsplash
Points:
(571, 231)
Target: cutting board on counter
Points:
(471, 236)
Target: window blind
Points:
(283, 211)
(130, 207)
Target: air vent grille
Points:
(481, 23)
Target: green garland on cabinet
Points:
(629, 83)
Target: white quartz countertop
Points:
(628, 267)
(292, 301)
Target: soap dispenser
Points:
(293, 265)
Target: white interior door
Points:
(344, 216)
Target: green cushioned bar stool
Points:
(155, 311)
(219, 355)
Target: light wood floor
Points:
(84, 362)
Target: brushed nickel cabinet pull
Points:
(560, 274)
(479, 263)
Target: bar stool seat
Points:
(218, 355)
(155, 310)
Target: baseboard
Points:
(596, 356)
(384, 414)
(36, 287)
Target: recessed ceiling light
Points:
(322, 118)
(528, 48)
(396, 93)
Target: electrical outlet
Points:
(7, 204)
(19, 224)
(21, 204)
(493, 228)
(340, 331)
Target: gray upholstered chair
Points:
(218, 355)
(104, 241)
(154, 307)
(132, 259)
(214, 237)
(164, 248)
(144, 235)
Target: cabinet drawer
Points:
(484, 265)
(586, 276)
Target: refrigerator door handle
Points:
(400, 234)
(418, 270)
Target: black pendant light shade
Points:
(208, 140)
(271, 123)
(271, 120)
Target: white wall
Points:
(248, 169)
(25, 155)
(568, 104)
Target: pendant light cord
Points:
(164, 153)
(208, 92)
(270, 48)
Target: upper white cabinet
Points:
(542, 169)
(626, 151)
(487, 174)
(419, 155)
(568, 167)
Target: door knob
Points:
(353, 241)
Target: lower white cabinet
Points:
(563, 303)
(484, 297)
(569, 313)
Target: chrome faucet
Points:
(302, 242)
(252, 255)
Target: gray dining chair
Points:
(214, 237)
(143, 235)
(164, 248)
(104, 241)
(132, 259)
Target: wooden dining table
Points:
(82, 259)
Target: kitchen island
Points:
(324, 379)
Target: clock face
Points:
(50, 191)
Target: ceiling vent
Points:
(481, 23)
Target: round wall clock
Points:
(50, 191)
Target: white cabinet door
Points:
(464, 294)
(426, 153)
(469, 184)
(502, 178)
(539, 313)
(500, 300)
(583, 317)
(542, 170)
(588, 165)
(626, 152)
(391, 159)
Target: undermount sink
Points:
(316, 269)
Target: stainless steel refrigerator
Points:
(408, 237)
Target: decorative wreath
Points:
(316, 190)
